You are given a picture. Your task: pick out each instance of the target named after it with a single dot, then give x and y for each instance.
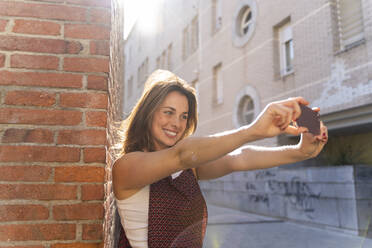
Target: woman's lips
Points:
(170, 134)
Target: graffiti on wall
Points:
(264, 174)
(299, 194)
(260, 198)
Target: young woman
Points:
(155, 180)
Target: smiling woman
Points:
(169, 121)
(156, 177)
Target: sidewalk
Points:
(234, 229)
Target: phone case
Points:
(309, 119)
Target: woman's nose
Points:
(176, 122)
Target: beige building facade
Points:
(242, 54)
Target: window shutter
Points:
(350, 21)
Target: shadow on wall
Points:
(348, 150)
(341, 149)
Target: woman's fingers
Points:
(295, 130)
(300, 100)
(283, 116)
(289, 118)
(316, 109)
(288, 111)
(323, 136)
(295, 105)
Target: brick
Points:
(92, 232)
(82, 137)
(36, 27)
(13, 135)
(23, 246)
(96, 3)
(2, 60)
(82, 211)
(86, 64)
(102, 16)
(39, 154)
(23, 212)
(97, 82)
(100, 47)
(57, 80)
(3, 24)
(50, 1)
(40, 116)
(38, 191)
(96, 119)
(30, 98)
(84, 100)
(34, 62)
(92, 155)
(87, 174)
(87, 31)
(26, 232)
(75, 245)
(32, 173)
(40, 45)
(42, 11)
(92, 192)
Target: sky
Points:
(145, 11)
(131, 13)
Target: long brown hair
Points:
(136, 128)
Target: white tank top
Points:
(134, 213)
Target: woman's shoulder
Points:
(127, 156)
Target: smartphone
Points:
(310, 119)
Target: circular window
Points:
(247, 106)
(245, 20)
(246, 110)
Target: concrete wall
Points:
(337, 197)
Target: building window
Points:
(217, 84)
(216, 15)
(169, 57)
(190, 38)
(244, 22)
(158, 65)
(130, 87)
(246, 110)
(194, 34)
(163, 58)
(164, 61)
(350, 22)
(139, 79)
(286, 49)
(246, 106)
(185, 43)
(195, 85)
(142, 73)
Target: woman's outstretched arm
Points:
(137, 169)
(258, 157)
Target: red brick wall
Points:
(54, 62)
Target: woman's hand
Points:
(277, 117)
(310, 145)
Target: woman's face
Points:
(169, 120)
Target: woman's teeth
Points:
(170, 133)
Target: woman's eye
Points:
(168, 112)
(185, 117)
